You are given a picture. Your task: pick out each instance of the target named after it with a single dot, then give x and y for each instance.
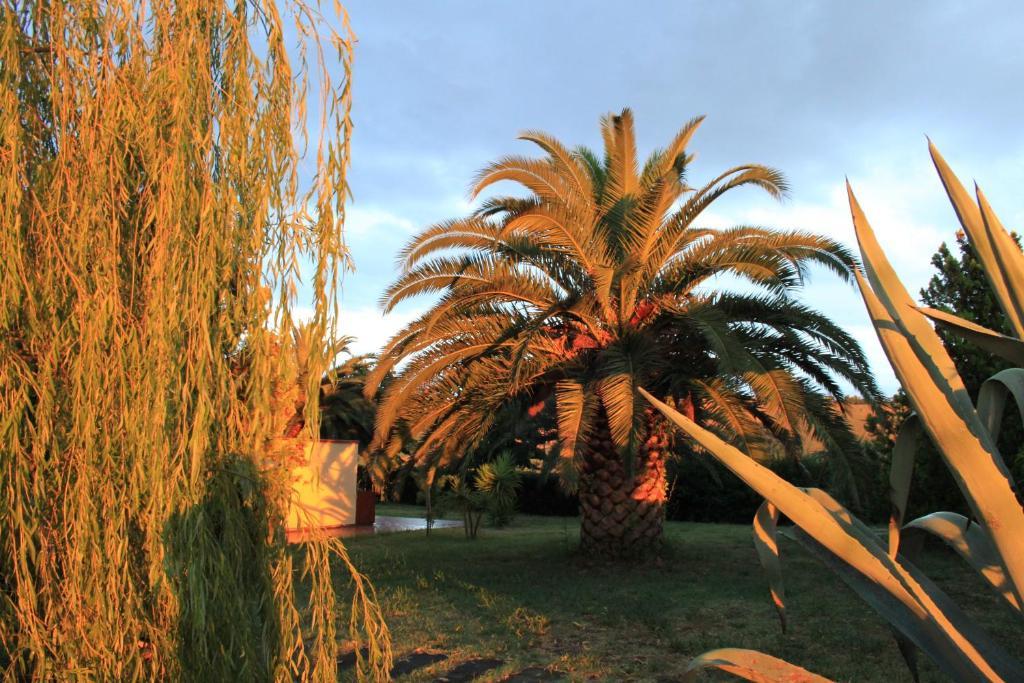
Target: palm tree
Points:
(345, 413)
(599, 282)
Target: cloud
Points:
(364, 220)
(371, 328)
(442, 89)
(368, 327)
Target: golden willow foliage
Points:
(153, 223)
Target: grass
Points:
(522, 594)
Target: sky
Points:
(822, 91)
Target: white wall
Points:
(324, 491)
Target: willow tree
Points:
(152, 217)
(601, 280)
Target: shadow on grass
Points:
(522, 595)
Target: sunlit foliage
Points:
(990, 538)
(152, 226)
(602, 279)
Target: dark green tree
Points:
(959, 286)
(345, 413)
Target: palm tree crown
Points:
(345, 412)
(597, 283)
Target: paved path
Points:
(469, 670)
(417, 659)
(390, 525)
(383, 525)
(534, 673)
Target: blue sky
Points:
(819, 90)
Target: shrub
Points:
(499, 482)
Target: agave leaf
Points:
(1008, 348)
(937, 394)
(861, 531)
(990, 661)
(1008, 254)
(904, 640)
(901, 316)
(972, 544)
(897, 590)
(970, 217)
(796, 504)
(767, 544)
(900, 474)
(750, 665)
(992, 397)
(908, 651)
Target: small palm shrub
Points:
(492, 490)
(456, 493)
(500, 481)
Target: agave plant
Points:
(991, 540)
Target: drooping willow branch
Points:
(158, 194)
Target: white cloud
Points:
(364, 220)
(369, 328)
(372, 329)
(879, 362)
(908, 211)
(370, 219)
(900, 195)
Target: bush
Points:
(701, 491)
(707, 492)
(499, 482)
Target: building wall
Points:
(324, 491)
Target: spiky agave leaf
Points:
(892, 586)
(900, 476)
(993, 394)
(987, 236)
(1008, 348)
(969, 541)
(750, 665)
(941, 402)
(923, 615)
(766, 542)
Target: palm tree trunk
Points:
(622, 516)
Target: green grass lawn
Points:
(522, 594)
